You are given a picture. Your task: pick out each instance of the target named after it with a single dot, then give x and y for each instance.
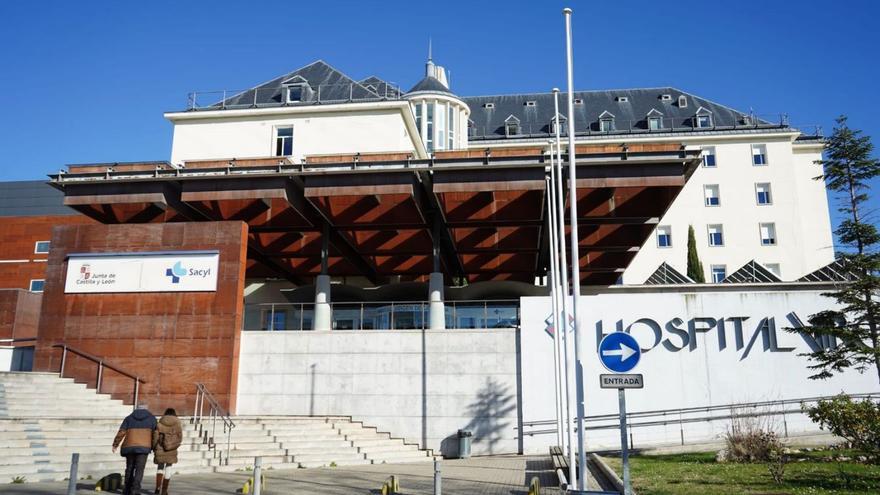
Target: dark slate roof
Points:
(382, 88)
(430, 84)
(327, 85)
(751, 272)
(31, 198)
(835, 271)
(665, 275)
(630, 116)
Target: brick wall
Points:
(18, 262)
(173, 340)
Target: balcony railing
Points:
(383, 315)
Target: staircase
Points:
(44, 419)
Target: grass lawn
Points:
(699, 474)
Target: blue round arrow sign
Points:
(619, 352)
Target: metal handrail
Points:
(215, 411)
(101, 365)
(669, 415)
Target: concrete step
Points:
(329, 462)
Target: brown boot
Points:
(165, 487)
(159, 477)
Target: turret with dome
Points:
(441, 116)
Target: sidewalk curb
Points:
(609, 473)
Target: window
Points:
(716, 235)
(429, 128)
(441, 126)
(709, 156)
(489, 105)
(578, 101)
(712, 195)
(664, 236)
(655, 123)
(606, 124)
(531, 103)
(274, 320)
(759, 154)
(37, 285)
(553, 121)
(418, 113)
(682, 101)
(511, 126)
(774, 268)
(666, 97)
(622, 99)
(719, 273)
(768, 234)
(451, 121)
(283, 141)
(762, 191)
(704, 121)
(41, 247)
(295, 93)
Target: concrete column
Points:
(436, 308)
(323, 319)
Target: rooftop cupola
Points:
(440, 115)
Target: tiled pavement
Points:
(492, 475)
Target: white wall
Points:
(354, 129)
(422, 386)
(6, 358)
(699, 376)
(799, 210)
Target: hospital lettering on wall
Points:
(743, 333)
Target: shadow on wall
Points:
(490, 415)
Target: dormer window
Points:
(554, 120)
(489, 105)
(606, 122)
(703, 118)
(655, 120)
(682, 101)
(665, 97)
(622, 99)
(531, 103)
(511, 126)
(296, 89)
(578, 101)
(295, 93)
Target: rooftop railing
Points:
(275, 97)
(382, 315)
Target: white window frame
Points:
(708, 118)
(31, 284)
(275, 141)
(37, 247)
(763, 149)
(706, 189)
(451, 123)
(659, 121)
(709, 151)
(769, 194)
(606, 124)
(709, 234)
(667, 231)
(302, 91)
(771, 231)
(712, 269)
(440, 125)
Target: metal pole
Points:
(438, 478)
(258, 466)
(63, 361)
(563, 267)
(575, 257)
(74, 467)
(137, 384)
(554, 294)
(624, 448)
(100, 376)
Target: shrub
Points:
(858, 421)
(19, 479)
(750, 439)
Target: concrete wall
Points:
(316, 131)
(420, 385)
(727, 346)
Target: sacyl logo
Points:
(175, 272)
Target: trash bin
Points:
(464, 443)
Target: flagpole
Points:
(554, 295)
(575, 257)
(563, 264)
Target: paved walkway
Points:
(492, 475)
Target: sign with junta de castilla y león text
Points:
(178, 271)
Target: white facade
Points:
(796, 208)
(380, 127)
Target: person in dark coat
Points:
(135, 441)
(166, 440)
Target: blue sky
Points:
(88, 81)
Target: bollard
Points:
(535, 486)
(437, 478)
(258, 466)
(74, 467)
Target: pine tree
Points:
(847, 169)
(695, 266)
